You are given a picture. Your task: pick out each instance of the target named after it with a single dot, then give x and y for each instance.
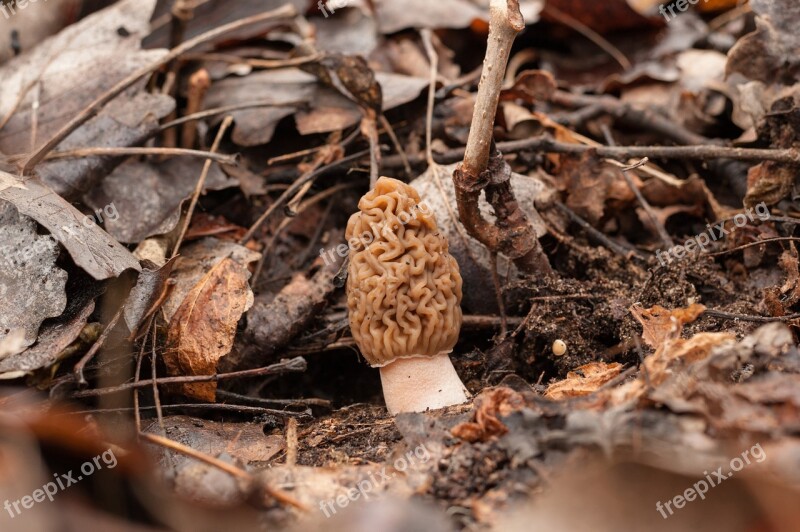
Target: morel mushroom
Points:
(404, 298)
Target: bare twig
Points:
(287, 221)
(594, 233)
(396, 142)
(752, 244)
(227, 109)
(482, 168)
(210, 407)
(590, 34)
(699, 152)
(505, 23)
(199, 83)
(137, 416)
(427, 41)
(154, 373)
(78, 370)
(659, 227)
(292, 190)
(253, 62)
(125, 152)
(295, 365)
(201, 183)
(286, 11)
(277, 494)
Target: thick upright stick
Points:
(484, 168)
(505, 23)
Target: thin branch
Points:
(297, 185)
(201, 183)
(277, 494)
(295, 365)
(254, 62)
(659, 227)
(199, 83)
(78, 370)
(590, 34)
(505, 22)
(125, 152)
(697, 152)
(154, 373)
(594, 233)
(211, 407)
(227, 109)
(426, 36)
(752, 244)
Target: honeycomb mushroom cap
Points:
(403, 286)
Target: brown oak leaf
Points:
(202, 330)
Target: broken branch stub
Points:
(483, 167)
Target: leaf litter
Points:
(202, 334)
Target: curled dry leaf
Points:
(593, 184)
(202, 330)
(490, 406)
(583, 380)
(769, 54)
(661, 324)
(147, 294)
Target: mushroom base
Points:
(421, 383)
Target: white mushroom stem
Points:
(421, 383)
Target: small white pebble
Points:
(559, 348)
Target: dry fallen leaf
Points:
(91, 248)
(661, 324)
(202, 330)
(149, 194)
(73, 68)
(490, 406)
(195, 261)
(56, 335)
(31, 285)
(583, 380)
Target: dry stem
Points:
(511, 235)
